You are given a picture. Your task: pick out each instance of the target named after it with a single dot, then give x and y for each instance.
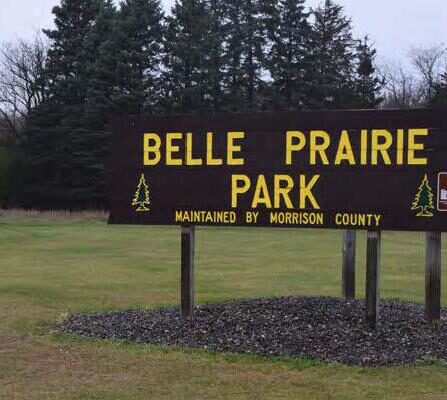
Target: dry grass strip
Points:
(56, 214)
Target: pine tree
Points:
(332, 53)
(244, 55)
(287, 58)
(65, 139)
(184, 59)
(68, 57)
(45, 166)
(424, 199)
(367, 84)
(138, 48)
(215, 60)
(439, 99)
(234, 76)
(101, 68)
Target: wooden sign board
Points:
(375, 170)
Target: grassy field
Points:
(51, 266)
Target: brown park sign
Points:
(376, 170)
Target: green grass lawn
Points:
(53, 266)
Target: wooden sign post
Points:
(373, 277)
(433, 275)
(348, 267)
(187, 270)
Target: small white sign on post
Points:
(442, 191)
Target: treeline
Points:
(205, 57)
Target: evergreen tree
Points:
(45, 159)
(243, 29)
(186, 49)
(287, 60)
(68, 57)
(138, 41)
(90, 138)
(215, 60)
(233, 77)
(367, 84)
(65, 138)
(332, 51)
(440, 97)
(102, 43)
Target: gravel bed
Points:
(320, 328)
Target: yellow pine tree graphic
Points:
(141, 198)
(424, 199)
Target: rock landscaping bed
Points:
(320, 328)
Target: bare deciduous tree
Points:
(402, 88)
(429, 63)
(22, 82)
(414, 87)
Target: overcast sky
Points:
(394, 25)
